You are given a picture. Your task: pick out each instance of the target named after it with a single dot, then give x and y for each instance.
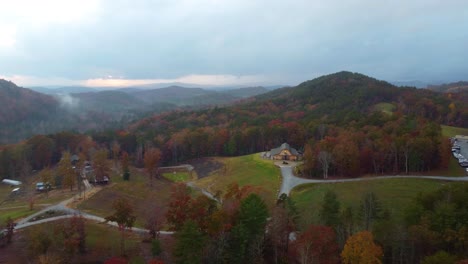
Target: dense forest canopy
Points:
(372, 125)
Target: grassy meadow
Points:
(244, 170)
(394, 195)
(450, 131)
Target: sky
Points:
(231, 42)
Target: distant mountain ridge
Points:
(24, 112)
(336, 98)
(455, 87)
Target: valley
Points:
(204, 169)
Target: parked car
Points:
(41, 186)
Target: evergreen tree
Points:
(330, 211)
(190, 242)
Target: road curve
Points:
(68, 213)
(290, 181)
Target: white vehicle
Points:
(11, 182)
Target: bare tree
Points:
(325, 158)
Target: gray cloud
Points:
(298, 40)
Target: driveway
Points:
(290, 181)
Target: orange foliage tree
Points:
(361, 249)
(151, 160)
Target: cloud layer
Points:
(230, 42)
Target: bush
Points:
(126, 176)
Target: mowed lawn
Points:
(144, 197)
(394, 195)
(245, 170)
(177, 176)
(450, 131)
(17, 206)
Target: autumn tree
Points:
(309, 159)
(180, 203)
(183, 207)
(151, 160)
(73, 236)
(46, 178)
(101, 165)
(66, 171)
(361, 249)
(316, 245)
(124, 217)
(42, 148)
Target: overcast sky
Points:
(231, 42)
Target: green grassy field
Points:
(450, 131)
(177, 176)
(386, 108)
(17, 206)
(394, 194)
(16, 213)
(245, 170)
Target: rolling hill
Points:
(342, 100)
(25, 112)
(449, 87)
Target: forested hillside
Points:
(25, 112)
(21, 108)
(450, 87)
(362, 124)
(390, 126)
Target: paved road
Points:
(68, 213)
(183, 166)
(205, 192)
(290, 181)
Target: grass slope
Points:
(245, 170)
(450, 131)
(394, 194)
(177, 176)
